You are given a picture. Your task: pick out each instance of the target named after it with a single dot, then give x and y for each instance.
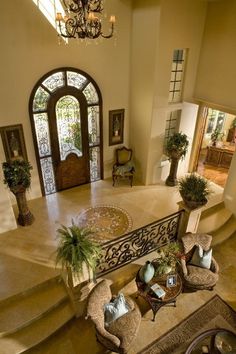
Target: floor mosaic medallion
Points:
(107, 221)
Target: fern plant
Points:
(75, 248)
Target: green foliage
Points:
(216, 135)
(194, 188)
(177, 144)
(17, 173)
(167, 256)
(76, 248)
(75, 136)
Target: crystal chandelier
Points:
(81, 19)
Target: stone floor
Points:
(37, 244)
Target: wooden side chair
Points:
(123, 167)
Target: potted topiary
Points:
(17, 176)
(77, 253)
(194, 190)
(176, 149)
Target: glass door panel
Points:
(69, 126)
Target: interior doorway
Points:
(216, 145)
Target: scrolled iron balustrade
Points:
(137, 243)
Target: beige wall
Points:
(230, 187)
(158, 30)
(145, 27)
(216, 75)
(29, 49)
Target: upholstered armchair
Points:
(198, 277)
(123, 166)
(118, 335)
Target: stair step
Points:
(22, 309)
(17, 274)
(38, 331)
(224, 232)
(213, 218)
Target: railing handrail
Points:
(137, 243)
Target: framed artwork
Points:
(13, 142)
(171, 280)
(116, 126)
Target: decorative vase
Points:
(147, 272)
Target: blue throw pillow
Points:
(201, 258)
(115, 309)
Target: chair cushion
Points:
(122, 170)
(201, 258)
(115, 309)
(200, 277)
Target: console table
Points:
(219, 156)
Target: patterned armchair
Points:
(195, 277)
(123, 166)
(119, 335)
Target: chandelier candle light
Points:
(81, 19)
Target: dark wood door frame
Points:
(66, 91)
(198, 137)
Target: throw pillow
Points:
(115, 309)
(201, 258)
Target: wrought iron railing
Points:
(137, 243)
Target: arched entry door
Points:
(65, 109)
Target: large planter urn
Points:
(25, 217)
(193, 204)
(172, 178)
(176, 149)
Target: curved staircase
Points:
(217, 221)
(32, 315)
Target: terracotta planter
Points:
(25, 217)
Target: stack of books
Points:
(158, 291)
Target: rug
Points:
(213, 314)
(106, 221)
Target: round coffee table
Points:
(156, 303)
(214, 341)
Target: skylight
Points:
(49, 8)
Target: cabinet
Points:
(220, 157)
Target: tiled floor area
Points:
(145, 204)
